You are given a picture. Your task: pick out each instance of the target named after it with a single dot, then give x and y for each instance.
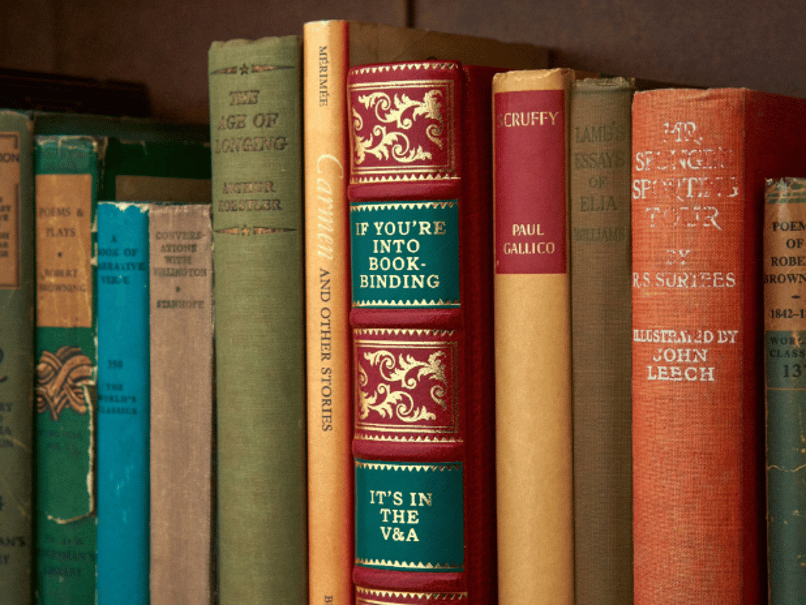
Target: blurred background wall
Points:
(163, 43)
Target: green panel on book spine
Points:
(66, 185)
(16, 356)
(255, 123)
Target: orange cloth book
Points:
(699, 163)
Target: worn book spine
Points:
(145, 160)
(532, 337)
(181, 325)
(785, 349)
(256, 138)
(420, 214)
(66, 185)
(700, 159)
(123, 403)
(599, 228)
(327, 283)
(16, 356)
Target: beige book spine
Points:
(533, 402)
(327, 283)
(181, 407)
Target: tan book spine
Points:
(181, 405)
(327, 283)
(532, 338)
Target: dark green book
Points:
(784, 287)
(139, 170)
(67, 173)
(16, 356)
(141, 159)
(255, 126)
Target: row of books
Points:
(622, 434)
(76, 392)
(483, 331)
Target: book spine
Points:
(181, 324)
(423, 432)
(66, 184)
(785, 348)
(599, 222)
(256, 138)
(16, 356)
(327, 283)
(139, 170)
(696, 350)
(123, 403)
(532, 337)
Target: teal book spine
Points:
(66, 373)
(256, 142)
(123, 403)
(16, 357)
(785, 370)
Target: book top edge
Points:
(265, 41)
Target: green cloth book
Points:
(784, 287)
(16, 356)
(67, 172)
(599, 229)
(256, 143)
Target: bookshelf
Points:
(164, 44)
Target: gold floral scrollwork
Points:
(406, 372)
(61, 381)
(402, 112)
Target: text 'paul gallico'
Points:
(515, 119)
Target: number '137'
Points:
(792, 371)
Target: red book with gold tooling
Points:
(421, 235)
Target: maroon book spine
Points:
(421, 252)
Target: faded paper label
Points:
(64, 250)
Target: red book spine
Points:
(699, 163)
(421, 245)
